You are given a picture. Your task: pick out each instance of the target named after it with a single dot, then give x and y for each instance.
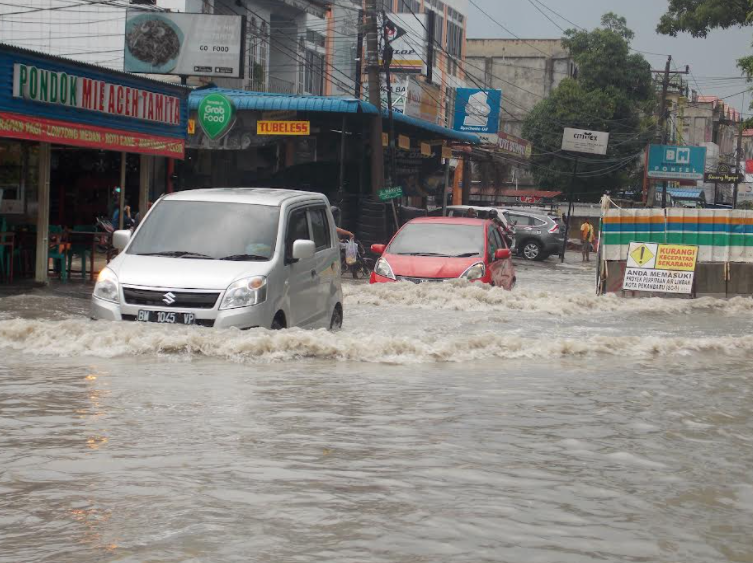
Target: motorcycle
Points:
(362, 266)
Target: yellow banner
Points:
(676, 257)
(283, 127)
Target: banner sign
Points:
(660, 268)
(72, 134)
(515, 146)
(477, 111)
(283, 127)
(216, 115)
(667, 162)
(49, 87)
(408, 40)
(586, 141)
(184, 44)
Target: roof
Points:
(260, 196)
(451, 220)
(686, 193)
(530, 193)
(112, 72)
(264, 101)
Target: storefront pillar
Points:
(43, 214)
(145, 169)
(121, 203)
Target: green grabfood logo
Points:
(216, 114)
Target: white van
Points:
(240, 257)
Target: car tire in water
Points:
(278, 323)
(336, 323)
(531, 250)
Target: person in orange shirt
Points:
(586, 239)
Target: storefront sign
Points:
(425, 149)
(387, 194)
(422, 100)
(660, 268)
(216, 115)
(668, 162)
(407, 35)
(283, 128)
(72, 134)
(403, 142)
(515, 146)
(60, 88)
(184, 44)
(722, 177)
(585, 140)
(446, 152)
(477, 111)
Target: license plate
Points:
(166, 317)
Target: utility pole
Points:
(569, 209)
(372, 69)
(663, 123)
(359, 55)
(387, 58)
(738, 158)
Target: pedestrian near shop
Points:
(586, 239)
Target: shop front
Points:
(78, 142)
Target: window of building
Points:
(384, 5)
(454, 44)
(314, 73)
(315, 37)
(408, 6)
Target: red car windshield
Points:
(438, 239)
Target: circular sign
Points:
(216, 114)
(723, 169)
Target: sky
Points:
(712, 60)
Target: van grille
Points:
(170, 299)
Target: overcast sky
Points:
(712, 60)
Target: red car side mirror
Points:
(502, 254)
(378, 249)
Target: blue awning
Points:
(686, 193)
(262, 101)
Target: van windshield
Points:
(208, 230)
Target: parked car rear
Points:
(538, 235)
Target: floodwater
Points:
(445, 423)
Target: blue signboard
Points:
(477, 111)
(667, 162)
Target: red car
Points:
(441, 248)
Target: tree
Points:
(613, 92)
(699, 17)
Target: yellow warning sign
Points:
(676, 257)
(642, 255)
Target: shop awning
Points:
(261, 101)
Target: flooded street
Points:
(445, 423)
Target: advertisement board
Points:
(408, 40)
(660, 268)
(585, 140)
(422, 100)
(184, 44)
(667, 162)
(515, 146)
(477, 110)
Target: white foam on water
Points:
(464, 296)
(78, 337)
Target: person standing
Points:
(586, 239)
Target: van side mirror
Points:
(303, 249)
(120, 239)
(378, 249)
(502, 254)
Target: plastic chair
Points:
(59, 257)
(80, 249)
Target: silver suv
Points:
(537, 234)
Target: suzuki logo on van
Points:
(169, 298)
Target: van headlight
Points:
(382, 268)
(475, 272)
(107, 286)
(245, 293)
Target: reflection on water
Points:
(499, 430)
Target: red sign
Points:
(73, 134)
(529, 199)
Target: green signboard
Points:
(216, 115)
(387, 194)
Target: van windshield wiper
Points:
(177, 254)
(242, 257)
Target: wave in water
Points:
(463, 296)
(72, 338)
